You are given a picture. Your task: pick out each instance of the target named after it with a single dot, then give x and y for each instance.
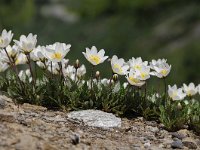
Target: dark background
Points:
(128, 28)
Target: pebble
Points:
(177, 144)
(2, 103)
(178, 135)
(147, 145)
(75, 139)
(152, 129)
(190, 145)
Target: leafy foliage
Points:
(115, 98)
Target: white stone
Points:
(96, 118)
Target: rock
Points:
(7, 117)
(188, 142)
(177, 144)
(152, 129)
(2, 103)
(96, 118)
(190, 145)
(75, 139)
(147, 145)
(161, 146)
(198, 142)
(184, 132)
(178, 135)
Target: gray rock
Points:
(190, 145)
(178, 135)
(2, 103)
(177, 144)
(152, 129)
(96, 118)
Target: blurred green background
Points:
(128, 28)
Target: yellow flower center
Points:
(134, 80)
(94, 58)
(143, 75)
(137, 67)
(17, 62)
(174, 94)
(1, 40)
(189, 93)
(56, 55)
(118, 68)
(164, 72)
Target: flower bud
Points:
(97, 75)
(77, 64)
(179, 106)
(115, 77)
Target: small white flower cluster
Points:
(48, 57)
(52, 58)
(135, 70)
(180, 93)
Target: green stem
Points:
(30, 67)
(145, 91)
(165, 86)
(14, 68)
(91, 83)
(35, 69)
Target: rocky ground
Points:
(36, 128)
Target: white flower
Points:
(24, 75)
(175, 93)
(69, 72)
(119, 66)
(154, 97)
(106, 82)
(133, 79)
(64, 62)
(198, 88)
(3, 66)
(95, 57)
(21, 59)
(116, 87)
(143, 73)
(57, 51)
(53, 67)
(5, 38)
(27, 44)
(38, 54)
(4, 58)
(137, 63)
(125, 84)
(12, 51)
(190, 90)
(161, 68)
(81, 71)
(41, 64)
(95, 82)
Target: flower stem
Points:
(14, 68)
(91, 83)
(35, 69)
(165, 86)
(61, 71)
(51, 70)
(145, 91)
(76, 75)
(30, 67)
